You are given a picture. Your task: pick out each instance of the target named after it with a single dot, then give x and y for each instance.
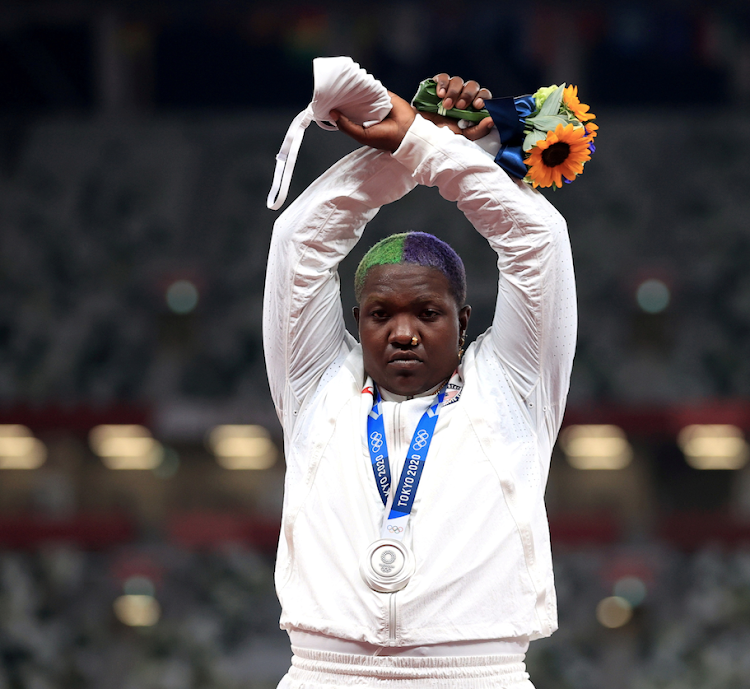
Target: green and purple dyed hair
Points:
(420, 248)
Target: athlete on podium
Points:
(414, 548)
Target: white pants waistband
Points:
(315, 641)
(317, 669)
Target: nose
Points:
(402, 330)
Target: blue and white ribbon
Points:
(394, 525)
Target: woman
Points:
(414, 549)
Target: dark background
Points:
(137, 144)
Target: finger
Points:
(442, 80)
(483, 95)
(455, 86)
(479, 130)
(468, 94)
(356, 131)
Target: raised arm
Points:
(534, 328)
(303, 325)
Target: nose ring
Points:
(414, 341)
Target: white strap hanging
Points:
(340, 84)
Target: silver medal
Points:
(387, 566)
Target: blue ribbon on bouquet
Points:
(509, 115)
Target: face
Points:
(399, 302)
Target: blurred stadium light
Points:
(632, 589)
(713, 446)
(137, 610)
(126, 446)
(614, 612)
(19, 449)
(238, 446)
(596, 446)
(653, 296)
(182, 296)
(139, 585)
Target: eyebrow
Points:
(374, 298)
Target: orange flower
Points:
(580, 110)
(561, 154)
(591, 129)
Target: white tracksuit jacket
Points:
(478, 528)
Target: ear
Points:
(463, 318)
(355, 313)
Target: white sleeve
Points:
(534, 328)
(303, 324)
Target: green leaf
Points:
(532, 138)
(546, 123)
(552, 104)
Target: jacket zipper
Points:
(392, 619)
(397, 452)
(396, 432)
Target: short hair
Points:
(419, 248)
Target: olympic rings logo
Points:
(395, 529)
(421, 439)
(376, 441)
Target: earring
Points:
(414, 341)
(461, 346)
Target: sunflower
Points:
(561, 154)
(579, 110)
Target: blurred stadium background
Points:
(140, 458)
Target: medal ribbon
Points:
(394, 526)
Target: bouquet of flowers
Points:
(543, 138)
(559, 136)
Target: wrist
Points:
(418, 143)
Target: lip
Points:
(404, 360)
(404, 357)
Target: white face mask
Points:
(340, 84)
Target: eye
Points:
(378, 314)
(429, 314)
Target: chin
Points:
(407, 388)
(403, 391)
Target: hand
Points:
(386, 135)
(454, 91)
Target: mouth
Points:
(405, 360)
